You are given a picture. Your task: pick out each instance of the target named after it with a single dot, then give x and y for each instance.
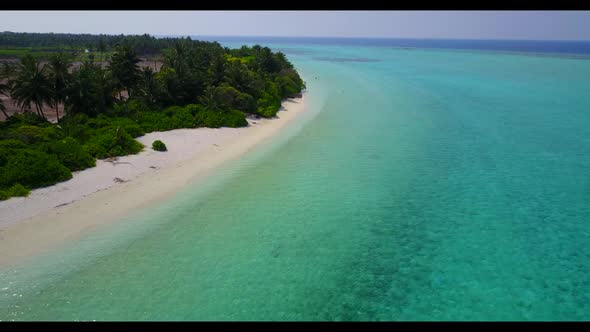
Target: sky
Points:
(535, 25)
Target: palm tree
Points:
(90, 90)
(7, 70)
(216, 71)
(31, 85)
(3, 89)
(149, 85)
(101, 49)
(59, 65)
(5, 73)
(283, 61)
(209, 98)
(176, 57)
(238, 76)
(81, 92)
(125, 69)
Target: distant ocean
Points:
(430, 180)
(528, 46)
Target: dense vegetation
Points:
(58, 42)
(200, 84)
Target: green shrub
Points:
(170, 111)
(159, 146)
(35, 134)
(235, 119)
(208, 118)
(245, 103)
(112, 142)
(130, 126)
(17, 190)
(27, 118)
(153, 121)
(268, 105)
(195, 108)
(190, 116)
(76, 126)
(215, 119)
(173, 117)
(182, 118)
(130, 107)
(289, 82)
(287, 86)
(95, 149)
(7, 148)
(31, 168)
(225, 96)
(70, 153)
(11, 144)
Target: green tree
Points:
(219, 98)
(102, 47)
(266, 61)
(168, 80)
(3, 91)
(289, 82)
(31, 85)
(7, 71)
(176, 58)
(216, 72)
(226, 96)
(59, 65)
(149, 86)
(125, 69)
(209, 98)
(90, 91)
(282, 61)
(238, 76)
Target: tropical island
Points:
(70, 99)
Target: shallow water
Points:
(421, 185)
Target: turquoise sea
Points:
(422, 184)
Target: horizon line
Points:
(379, 37)
(317, 37)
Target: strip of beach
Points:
(108, 192)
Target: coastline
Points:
(108, 192)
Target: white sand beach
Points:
(105, 193)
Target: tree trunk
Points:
(40, 111)
(57, 110)
(5, 114)
(120, 96)
(36, 108)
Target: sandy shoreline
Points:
(93, 197)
